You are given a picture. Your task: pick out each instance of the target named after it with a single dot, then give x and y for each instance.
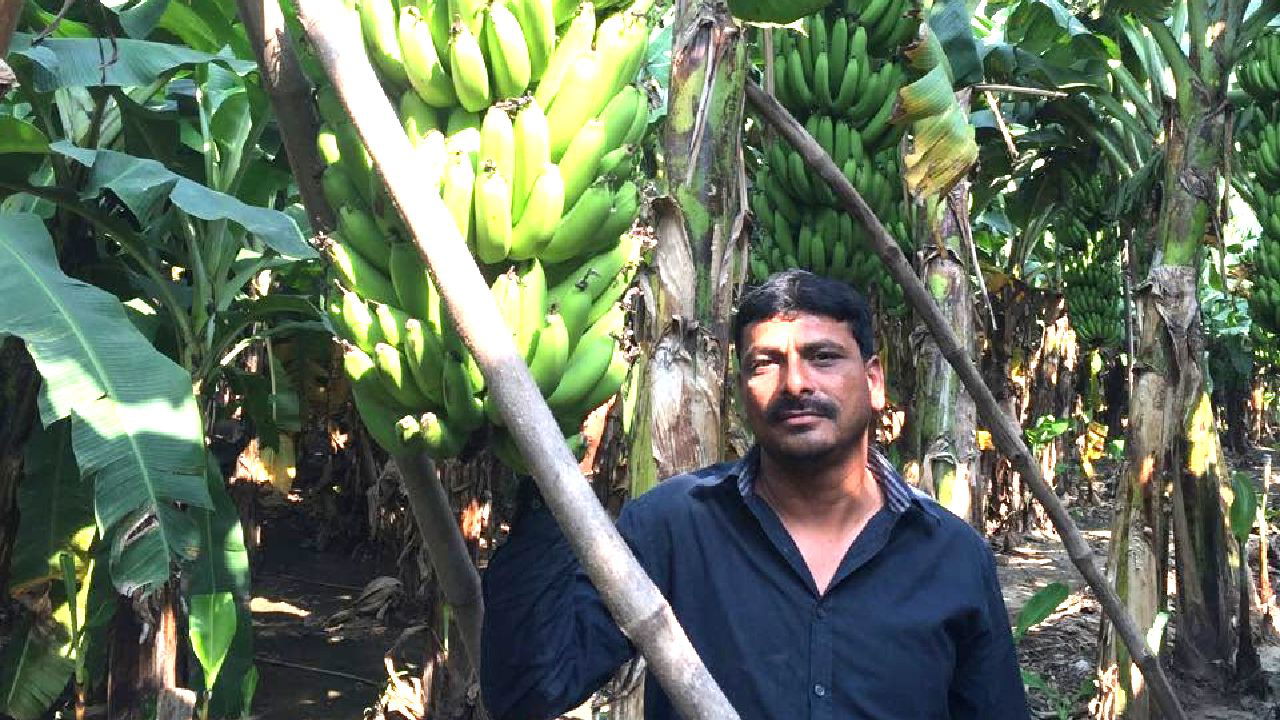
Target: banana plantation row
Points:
(195, 234)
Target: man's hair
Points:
(798, 291)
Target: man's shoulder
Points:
(951, 530)
(680, 490)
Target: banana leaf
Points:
(104, 62)
(944, 149)
(34, 670)
(144, 185)
(136, 429)
(55, 510)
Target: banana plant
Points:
(143, 251)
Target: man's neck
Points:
(830, 495)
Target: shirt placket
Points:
(820, 653)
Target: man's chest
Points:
(880, 643)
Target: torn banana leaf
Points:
(944, 149)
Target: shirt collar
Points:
(898, 495)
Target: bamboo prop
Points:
(1003, 431)
(445, 547)
(289, 92)
(635, 603)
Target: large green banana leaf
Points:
(144, 185)
(56, 510)
(135, 424)
(34, 670)
(116, 62)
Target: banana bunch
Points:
(1261, 143)
(889, 23)
(1095, 302)
(1259, 71)
(1264, 302)
(834, 68)
(835, 78)
(524, 116)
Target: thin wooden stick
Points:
(317, 670)
(1018, 90)
(289, 92)
(1004, 127)
(1003, 430)
(1264, 573)
(635, 603)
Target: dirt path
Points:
(1063, 649)
(310, 671)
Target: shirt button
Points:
(819, 690)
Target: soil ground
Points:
(315, 669)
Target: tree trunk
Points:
(944, 417)
(1208, 584)
(699, 262)
(1137, 529)
(701, 250)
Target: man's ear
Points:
(875, 382)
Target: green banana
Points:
(579, 225)
(581, 160)
(416, 117)
(570, 111)
(537, 21)
(470, 12)
(508, 52)
(533, 152)
(459, 194)
(797, 80)
(822, 81)
(359, 229)
(378, 21)
(541, 216)
(421, 61)
(626, 207)
(619, 115)
(397, 380)
(575, 41)
(531, 281)
(365, 331)
(390, 322)
(424, 352)
(468, 69)
(492, 215)
(439, 439)
(338, 189)
(357, 273)
(464, 410)
(498, 141)
(589, 360)
(550, 352)
(378, 418)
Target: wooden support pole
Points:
(289, 92)
(458, 578)
(1006, 434)
(633, 600)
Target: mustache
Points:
(791, 404)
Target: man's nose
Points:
(795, 377)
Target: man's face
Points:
(808, 394)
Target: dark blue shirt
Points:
(911, 627)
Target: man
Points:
(812, 580)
